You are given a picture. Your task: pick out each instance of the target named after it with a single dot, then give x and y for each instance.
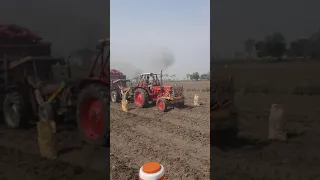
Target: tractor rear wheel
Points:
(115, 96)
(162, 104)
(93, 114)
(141, 98)
(14, 110)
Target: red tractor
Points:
(150, 88)
(117, 88)
(28, 68)
(118, 82)
(93, 99)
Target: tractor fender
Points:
(134, 88)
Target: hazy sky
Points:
(233, 21)
(149, 35)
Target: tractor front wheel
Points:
(141, 98)
(14, 110)
(93, 114)
(115, 96)
(162, 104)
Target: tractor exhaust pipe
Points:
(161, 81)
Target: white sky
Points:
(142, 31)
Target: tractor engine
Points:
(173, 92)
(177, 91)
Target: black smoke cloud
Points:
(164, 58)
(68, 25)
(151, 59)
(158, 58)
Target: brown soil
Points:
(253, 157)
(20, 159)
(178, 139)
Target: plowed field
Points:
(20, 159)
(178, 139)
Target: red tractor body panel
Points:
(116, 74)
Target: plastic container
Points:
(152, 171)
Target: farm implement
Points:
(224, 116)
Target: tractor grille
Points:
(167, 93)
(177, 91)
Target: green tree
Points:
(275, 45)
(300, 48)
(315, 45)
(195, 76)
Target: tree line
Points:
(275, 46)
(193, 76)
(196, 76)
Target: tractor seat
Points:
(156, 83)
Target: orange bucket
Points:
(152, 171)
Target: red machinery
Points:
(93, 99)
(116, 74)
(151, 88)
(26, 66)
(12, 33)
(118, 83)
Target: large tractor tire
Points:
(14, 110)
(141, 98)
(162, 105)
(93, 111)
(115, 97)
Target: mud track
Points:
(178, 139)
(19, 157)
(253, 157)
